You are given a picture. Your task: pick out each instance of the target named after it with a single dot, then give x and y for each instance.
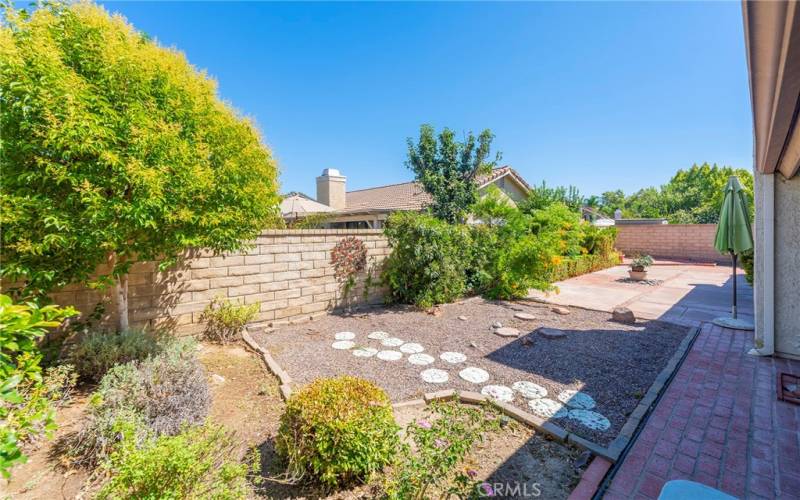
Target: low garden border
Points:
(605, 457)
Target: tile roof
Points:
(409, 195)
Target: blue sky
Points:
(599, 95)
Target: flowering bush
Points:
(439, 444)
(348, 257)
(225, 320)
(337, 430)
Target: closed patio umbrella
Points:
(734, 236)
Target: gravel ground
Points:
(612, 362)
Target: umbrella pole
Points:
(734, 284)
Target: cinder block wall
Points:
(670, 241)
(287, 272)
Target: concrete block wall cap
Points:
(471, 397)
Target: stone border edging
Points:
(272, 365)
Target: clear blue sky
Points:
(599, 95)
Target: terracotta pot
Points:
(638, 275)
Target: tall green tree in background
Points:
(692, 196)
(447, 168)
(115, 149)
(543, 196)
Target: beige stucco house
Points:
(369, 208)
(772, 37)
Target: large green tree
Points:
(692, 196)
(116, 149)
(447, 168)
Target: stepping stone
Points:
(453, 357)
(590, 419)
(392, 342)
(434, 376)
(547, 408)
(389, 355)
(343, 344)
(411, 348)
(474, 374)
(421, 359)
(575, 399)
(378, 335)
(507, 331)
(623, 315)
(462, 318)
(345, 336)
(552, 333)
(498, 392)
(365, 352)
(560, 310)
(525, 316)
(529, 390)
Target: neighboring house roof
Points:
(298, 204)
(411, 195)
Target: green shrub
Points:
(429, 259)
(557, 220)
(438, 445)
(576, 266)
(156, 396)
(337, 430)
(97, 352)
(747, 259)
(199, 462)
(225, 320)
(25, 405)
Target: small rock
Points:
(623, 315)
(527, 342)
(473, 345)
(218, 379)
(525, 316)
(560, 310)
(462, 318)
(507, 332)
(504, 421)
(497, 324)
(552, 333)
(435, 311)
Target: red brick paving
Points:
(719, 423)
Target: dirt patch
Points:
(612, 362)
(516, 461)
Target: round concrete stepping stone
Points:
(498, 392)
(474, 374)
(575, 399)
(590, 419)
(547, 408)
(434, 376)
(552, 333)
(392, 342)
(345, 336)
(421, 359)
(453, 357)
(525, 316)
(365, 352)
(507, 331)
(529, 390)
(411, 348)
(389, 355)
(378, 335)
(343, 344)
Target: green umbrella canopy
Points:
(733, 230)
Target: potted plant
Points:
(639, 266)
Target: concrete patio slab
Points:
(688, 293)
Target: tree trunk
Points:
(120, 294)
(121, 288)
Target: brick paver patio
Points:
(718, 423)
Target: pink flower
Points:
(472, 473)
(487, 489)
(440, 443)
(424, 424)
